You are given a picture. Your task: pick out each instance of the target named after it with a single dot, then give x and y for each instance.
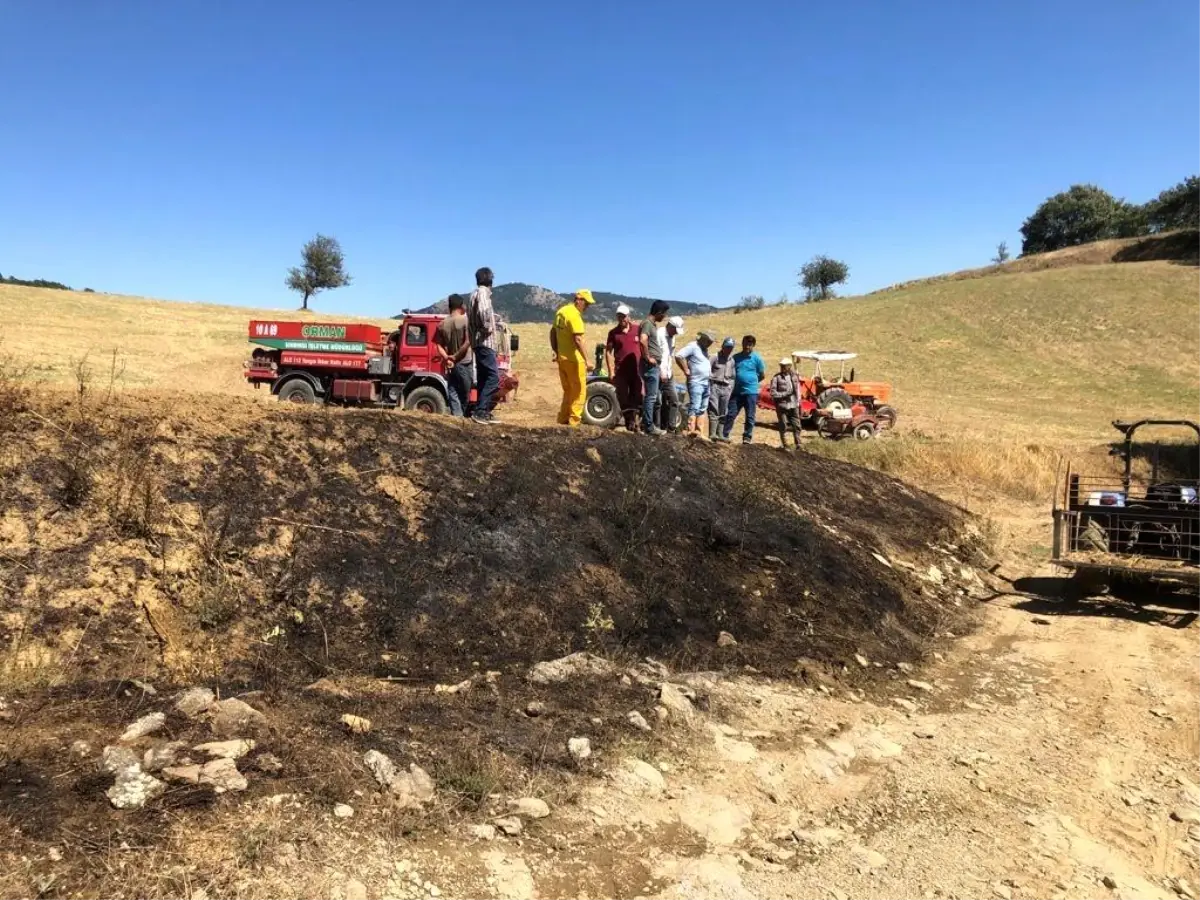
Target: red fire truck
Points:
(323, 362)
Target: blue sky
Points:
(694, 150)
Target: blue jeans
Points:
(458, 380)
(698, 398)
(650, 377)
(487, 375)
(738, 403)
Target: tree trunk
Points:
(304, 302)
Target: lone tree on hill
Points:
(1083, 214)
(820, 274)
(1002, 253)
(324, 268)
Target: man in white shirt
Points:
(482, 322)
(668, 399)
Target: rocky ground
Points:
(1051, 753)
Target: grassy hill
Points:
(519, 302)
(993, 375)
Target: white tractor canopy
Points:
(825, 355)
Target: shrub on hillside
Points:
(749, 303)
(1080, 215)
(1176, 207)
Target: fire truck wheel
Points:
(297, 391)
(426, 399)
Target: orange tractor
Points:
(834, 405)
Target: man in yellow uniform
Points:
(567, 342)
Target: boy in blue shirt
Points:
(748, 370)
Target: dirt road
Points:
(1052, 753)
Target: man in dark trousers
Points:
(622, 355)
(652, 339)
(721, 387)
(482, 320)
(452, 343)
(786, 393)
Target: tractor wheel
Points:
(601, 408)
(426, 399)
(864, 431)
(886, 416)
(297, 391)
(835, 398)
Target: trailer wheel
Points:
(601, 407)
(826, 428)
(297, 391)
(886, 416)
(426, 399)
(864, 431)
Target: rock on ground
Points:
(645, 773)
(114, 759)
(221, 773)
(510, 825)
(145, 725)
(158, 758)
(233, 717)
(381, 767)
(637, 720)
(580, 748)
(576, 665)
(234, 749)
(356, 724)
(530, 807)
(343, 810)
(133, 788)
(195, 701)
(676, 701)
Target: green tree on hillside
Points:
(820, 274)
(1002, 253)
(749, 303)
(323, 268)
(1083, 214)
(1176, 207)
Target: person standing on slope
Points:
(748, 371)
(720, 389)
(482, 320)
(569, 352)
(453, 345)
(786, 393)
(697, 369)
(668, 399)
(652, 338)
(622, 357)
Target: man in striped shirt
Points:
(483, 343)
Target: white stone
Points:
(646, 773)
(145, 725)
(676, 702)
(343, 810)
(234, 749)
(529, 807)
(576, 665)
(638, 721)
(580, 748)
(133, 788)
(195, 701)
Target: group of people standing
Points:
(466, 342)
(640, 360)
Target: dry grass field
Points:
(995, 376)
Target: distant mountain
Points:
(529, 303)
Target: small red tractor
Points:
(310, 362)
(837, 406)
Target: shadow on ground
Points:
(1148, 603)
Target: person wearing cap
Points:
(785, 392)
(566, 340)
(720, 387)
(622, 357)
(748, 370)
(694, 363)
(652, 339)
(668, 399)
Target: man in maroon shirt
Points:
(622, 353)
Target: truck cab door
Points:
(416, 348)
